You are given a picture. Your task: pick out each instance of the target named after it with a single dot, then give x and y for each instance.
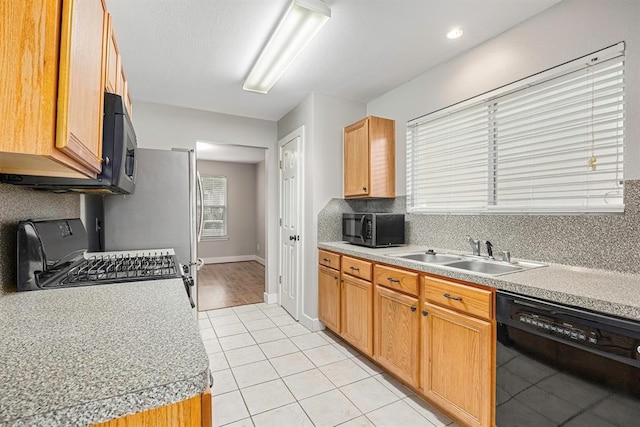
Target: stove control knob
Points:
(638, 349)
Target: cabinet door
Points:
(357, 313)
(113, 60)
(329, 298)
(81, 81)
(356, 159)
(397, 323)
(457, 371)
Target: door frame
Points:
(298, 133)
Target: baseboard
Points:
(311, 324)
(238, 258)
(260, 260)
(270, 298)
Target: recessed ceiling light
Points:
(455, 33)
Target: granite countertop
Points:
(599, 290)
(78, 356)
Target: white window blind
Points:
(551, 143)
(214, 205)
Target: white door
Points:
(290, 182)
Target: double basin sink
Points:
(469, 263)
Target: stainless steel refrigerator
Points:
(161, 213)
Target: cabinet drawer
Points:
(329, 259)
(394, 278)
(356, 268)
(466, 299)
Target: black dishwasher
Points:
(564, 366)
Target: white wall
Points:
(261, 190)
(565, 31)
(166, 126)
(242, 211)
(324, 118)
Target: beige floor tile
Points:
(204, 323)
(366, 364)
(212, 346)
(236, 341)
(324, 355)
(329, 409)
(368, 394)
(228, 330)
(252, 315)
(242, 423)
(245, 308)
(283, 320)
(256, 325)
(291, 364)
(275, 311)
(294, 329)
(207, 334)
(223, 382)
(224, 320)
(220, 312)
(228, 408)
(397, 414)
(434, 416)
(394, 385)
(254, 373)
(307, 341)
(278, 348)
(266, 396)
(346, 349)
(362, 421)
(291, 415)
(308, 383)
(266, 335)
(344, 372)
(244, 356)
(218, 361)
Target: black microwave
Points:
(375, 230)
(118, 153)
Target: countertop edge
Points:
(520, 282)
(99, 411)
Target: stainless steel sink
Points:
(485, 266)
(431, 258)
(469, 263)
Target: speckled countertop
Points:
(78, 356)
(608, 292)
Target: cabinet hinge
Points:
(280, 222)
(280, 164)
(280, 280)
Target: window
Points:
(550, 143)
(215, 206)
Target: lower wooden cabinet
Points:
(357, 313)
(193, 412)
(456, 355)
(329, 298)
(396, 329)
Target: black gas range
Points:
(53, 254)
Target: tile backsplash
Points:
(608, 242)
(17, 203)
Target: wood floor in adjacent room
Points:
(230, 284)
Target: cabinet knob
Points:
(392, 280)
(354, 268)
(424, 313)
(326, 259)
(413, 308)
(364, 188)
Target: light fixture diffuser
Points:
(298, 26)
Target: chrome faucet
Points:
(475, 245)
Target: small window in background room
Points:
(551, 143)
(214, 206)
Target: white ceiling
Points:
(196, 53)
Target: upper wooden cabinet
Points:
(81, 81)
(113, 61)
(58, 57)
(369, 158)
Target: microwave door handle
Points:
(201, 195)
(362, 228)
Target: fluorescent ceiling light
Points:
(455, 33)
(301, 22)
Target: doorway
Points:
(233, 238)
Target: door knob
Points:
(292, 237)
